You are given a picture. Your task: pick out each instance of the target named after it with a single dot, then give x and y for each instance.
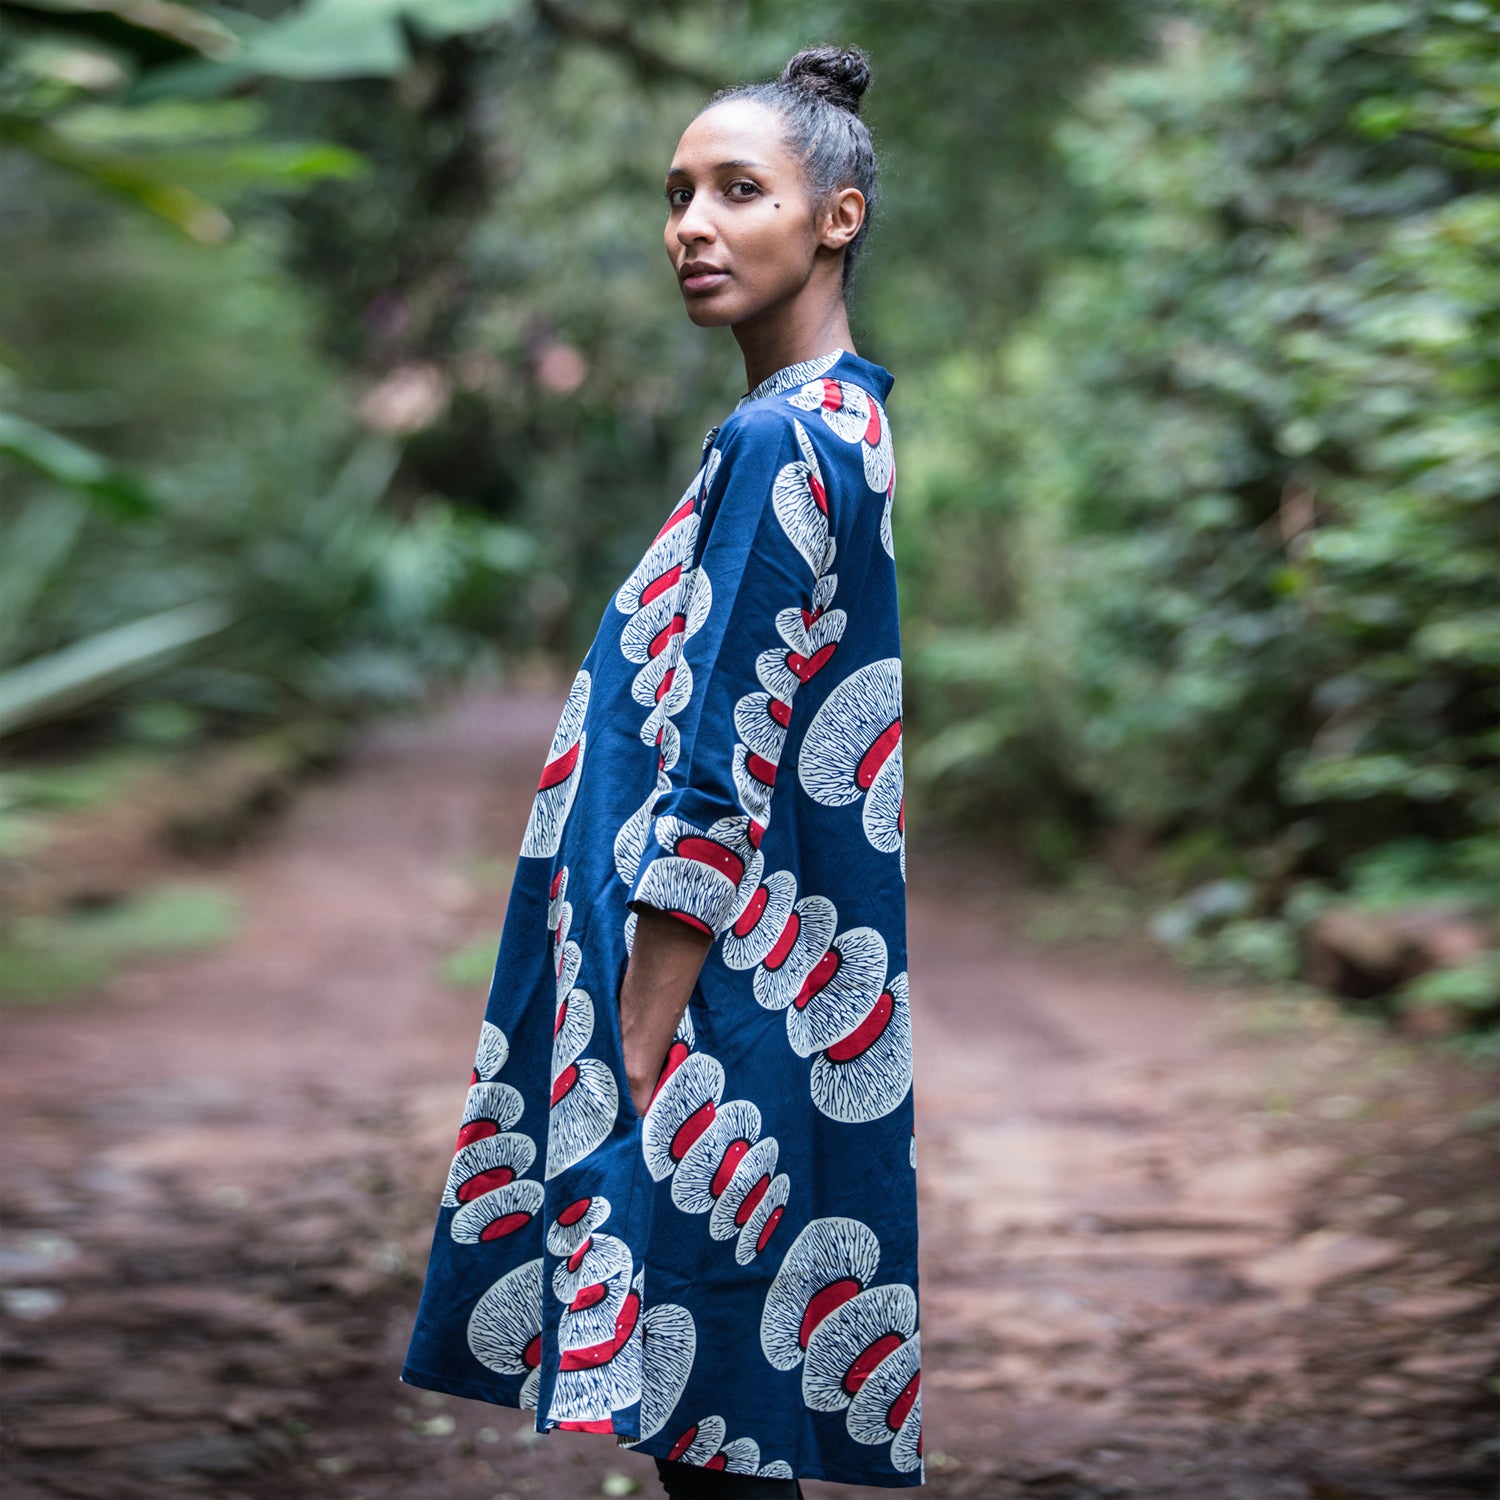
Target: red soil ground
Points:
(1177, 1242)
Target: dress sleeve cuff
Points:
(695, 876)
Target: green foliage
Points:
(1195, 314)
(179, 161)
(1473, 987)
(73, 467)
(1247, 457)
(471, 966)
(1461, 871)
(29, 794)
(269, 574)
(46, 957)
(331, 39)
(51, 686)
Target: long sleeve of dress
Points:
(743, 627)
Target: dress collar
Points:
(862, 372)
(789, 376)
(874, 378)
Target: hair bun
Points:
(838, 74)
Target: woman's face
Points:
(742, 233)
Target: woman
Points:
(682, 1209)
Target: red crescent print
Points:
(649, 632)
(664, 686)
(867, 1073)
(666, 601)
(591, 1356)
(703, 876)
(785, 944)
(887, 1407)
(872, 762)
(857, 1344)
(852, 749)
(857, 417)
(715, 1155)
(710, 852)
(505, 1327)
(839, 993)
(558, 908)
(762, 923)
(840, 1009)
(703, 1445)
(863, 711)
(795, 952)
(560, 776)
(612, 1352)
(827, 1253)
(762, 719)
(585, 1095)
(494, 1215)
(560, 769)
(878, 454)
(661, 569)
(682, 881)
(490, 1160)
(599, 1327)
(799, 497)
(697, 1081)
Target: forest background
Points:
(341, 366)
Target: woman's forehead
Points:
(738, 132)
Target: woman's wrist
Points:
(665, 961)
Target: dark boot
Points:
(692, 1482)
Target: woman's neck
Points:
(768, 348)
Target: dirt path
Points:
(1175, 1244)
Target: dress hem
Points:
(471, 1391)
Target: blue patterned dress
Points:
(730, 1279)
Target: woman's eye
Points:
(752, 189)
(671, 196)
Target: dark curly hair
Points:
(817, 97)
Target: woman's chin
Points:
(711, 312)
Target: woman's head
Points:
(772, 188)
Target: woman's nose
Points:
(695, 224)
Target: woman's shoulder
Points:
(836, 416)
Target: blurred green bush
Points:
(340, 363)
(1241, 467)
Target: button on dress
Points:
(729, 1279)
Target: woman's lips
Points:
(701, 281)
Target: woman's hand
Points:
(665, 961)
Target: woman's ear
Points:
(842, 217)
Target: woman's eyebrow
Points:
(722, 166)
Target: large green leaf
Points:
(329, 39)
(75, 467)
(150, 31)
(181, 185)
(39, 538)
(133, 178)
(92, 669)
